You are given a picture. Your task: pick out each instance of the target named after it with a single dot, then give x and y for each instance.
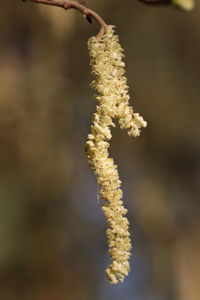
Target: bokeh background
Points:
(52, 230)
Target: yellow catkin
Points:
(113, 103)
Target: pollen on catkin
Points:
(113, 103)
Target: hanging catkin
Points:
(113, 103)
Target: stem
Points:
(186, 5)
(67, 4)
(155, 2)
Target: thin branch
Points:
(156, 2)
(87, 13)
(186, 5)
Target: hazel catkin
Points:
(113, 103)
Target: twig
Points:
(155, 2)
(186, 5)
(87, 13)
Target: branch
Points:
(88, 14)
(155, 2)
(182, 4)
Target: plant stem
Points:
(67, 4)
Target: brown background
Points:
(52, 230)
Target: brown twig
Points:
(155, 2)
(186, 5)
(87, 13)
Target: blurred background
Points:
(52, 230)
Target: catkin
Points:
(113, 103)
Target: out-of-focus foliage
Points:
(52, 231)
